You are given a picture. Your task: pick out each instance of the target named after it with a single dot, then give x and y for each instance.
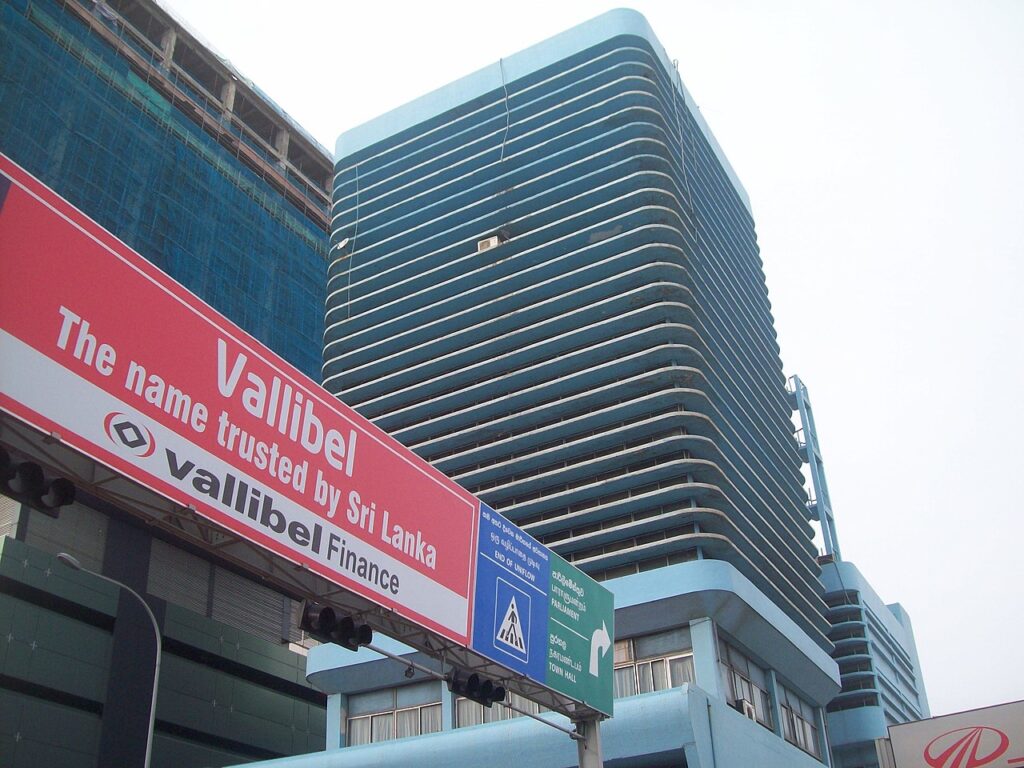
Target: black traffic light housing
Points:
(323, 623)
(25, 481)
(476, 688)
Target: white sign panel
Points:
(993, 736)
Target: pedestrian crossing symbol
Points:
(511, 636)
(511, 632)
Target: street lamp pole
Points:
(73, 563)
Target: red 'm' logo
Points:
(966, 747)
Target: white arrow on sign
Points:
(599, 641)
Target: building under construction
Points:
(132, 119)
(123, 112)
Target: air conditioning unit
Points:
(748, 709)
(487, 243)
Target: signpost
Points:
(104, 353)
(540, 616)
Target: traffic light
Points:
(350, 635)
(317, 620)
(475, 687)
(25, 482)
(322, 623)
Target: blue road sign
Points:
(510, 614)
(537, 615)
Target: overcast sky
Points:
(882, 145)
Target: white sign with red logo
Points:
(993, 736)
(133, 370)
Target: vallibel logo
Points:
(966, 747)
(125, 433)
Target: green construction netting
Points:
(75, 115)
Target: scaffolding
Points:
(76, 113)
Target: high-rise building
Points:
(123, 112)
(551, 289)
(544, 278)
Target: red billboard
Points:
(126, 366)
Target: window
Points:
(798, 722)
(745, 681)
(10, 513)
(469, 712)
(416, 721)
(653, 663)
(394, 713)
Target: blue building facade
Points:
(874, 646)
(544, 278)
(877, 657)
(129, 117)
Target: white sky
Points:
(882, 145)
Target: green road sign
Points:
(539, 616)
(581, 633)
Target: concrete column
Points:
(281, 140)
(819, 722)
(589, 748)
(773, 695)
(167, 43)
(705, 658)
(337, 714)
(447, 707)
(227, 96)
(124, 728)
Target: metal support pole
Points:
(572, 734)
(589, 747)
(73, 563)
(575, 735)
(775, 696)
